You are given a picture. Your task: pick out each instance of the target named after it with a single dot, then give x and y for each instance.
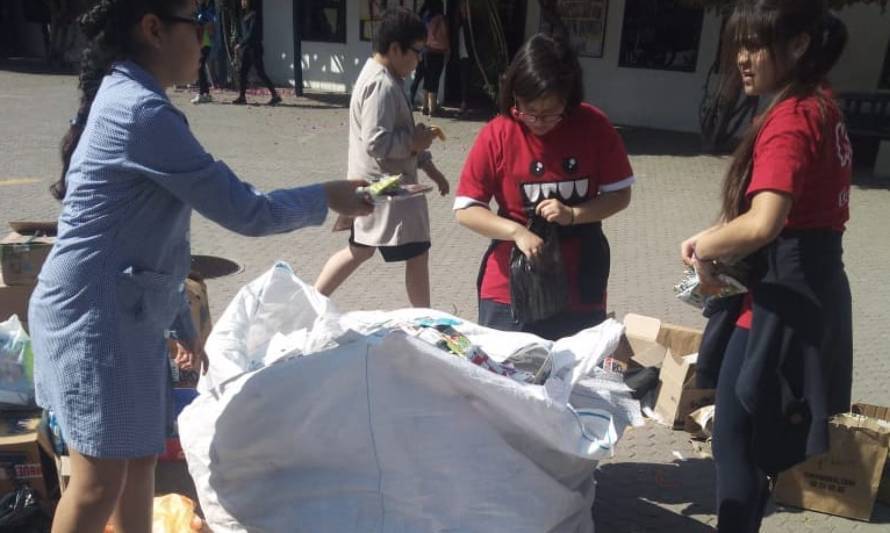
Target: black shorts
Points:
(394, 254)
(433, 64)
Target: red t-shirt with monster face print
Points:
(580, 158)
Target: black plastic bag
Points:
(539, 287)
(20, 512)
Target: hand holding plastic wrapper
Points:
(691, 291)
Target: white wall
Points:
(859, 68)
(642, 97)
(670, 100)
(630, 96)
(326, 66)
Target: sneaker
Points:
(425, 110)
(276, 99)
(202, 99)
(239, 101)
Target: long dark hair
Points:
(544, 65)
(107, 27)
(771, 25)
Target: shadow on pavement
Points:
(630, 497)
(646, 141)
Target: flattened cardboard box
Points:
(25, 455)
(844, 481)
(22, 257)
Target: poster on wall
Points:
(369, 14)
(661, 35)
(585, 21)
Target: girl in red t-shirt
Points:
(787, 364)
(551, 156)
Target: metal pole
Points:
(298, 47)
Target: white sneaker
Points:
(202, 99)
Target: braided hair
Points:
(107, 28)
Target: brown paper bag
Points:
(843, 482)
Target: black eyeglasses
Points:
(185, 20)
(416, 51)
(193, 20)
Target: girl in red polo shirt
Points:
(787, 364)
(547, 154)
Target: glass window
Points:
(324, 20)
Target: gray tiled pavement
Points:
(645, 487)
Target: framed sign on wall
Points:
(585, 21)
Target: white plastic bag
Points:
(16, 365)
(317, 421)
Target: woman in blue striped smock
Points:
(113, 284)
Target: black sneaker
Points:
(276, 99)
(239, 101)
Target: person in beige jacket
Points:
(383, 140)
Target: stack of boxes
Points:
(25, 450)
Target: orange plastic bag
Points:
(173, 513)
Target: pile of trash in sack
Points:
(408, 420)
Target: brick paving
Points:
(645, 487)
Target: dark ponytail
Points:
(107, 29)
(772, 24)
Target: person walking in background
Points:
(383, 141)
(207, 19)
(781, 356)
(250, 45)
(111, 289)
(433, 59)
(463, 54)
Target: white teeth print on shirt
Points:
(570, 190)
(532, 192)
(581, 187)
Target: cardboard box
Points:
(14, 301)
(22, 257)
(196, 291)
(25, 455)
(846, 480)
(677, 396)
(649, 342)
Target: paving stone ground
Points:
(645, 487)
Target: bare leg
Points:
(417, 280)
(134, 508)
(340, 266)
(432, 102)
(92, 494)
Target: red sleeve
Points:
(478, 175)
(614, 171)
(784, 151)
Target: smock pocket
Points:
(147, 298)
